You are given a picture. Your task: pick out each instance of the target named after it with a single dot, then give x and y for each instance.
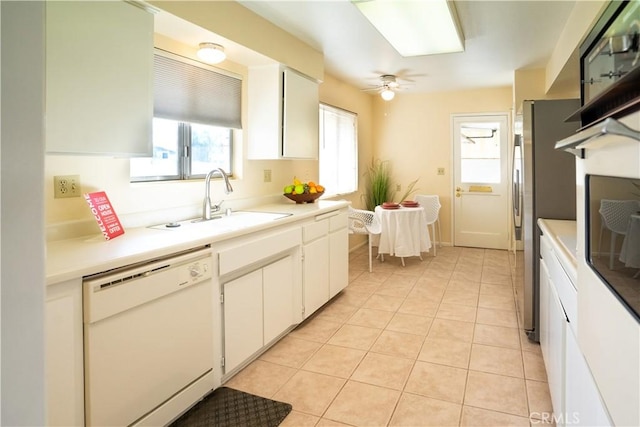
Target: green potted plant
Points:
(379, 185)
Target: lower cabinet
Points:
(258, 307)
(574, 394)
(583, 405)
(553, 327)
(64, 354)
(325, 262)
(338, 254)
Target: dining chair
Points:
(364, 222)
(615, 215)
(431, 205)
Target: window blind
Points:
(195, 94)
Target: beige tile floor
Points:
(435, 343)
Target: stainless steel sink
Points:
(222, 222)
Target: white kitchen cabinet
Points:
(261, 292)
(574, 395)
(283, 114)
(64, 354)
(258, 308)
(278, 298)
(338, 253)
(552, 336)
(99, 78)
(315, 262)
(583, 405)
(325, 259)
(242, 319)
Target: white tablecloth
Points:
(630, 253)
(404, 231)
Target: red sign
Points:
(104, 214)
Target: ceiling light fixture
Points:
(387, 94)
(415, 28)
(212, 53)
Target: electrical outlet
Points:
(440, 171)
(66, 186)
(398, 187)
(267, 175)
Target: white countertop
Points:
(563, 236)
(75, 258)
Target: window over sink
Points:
(197, 109)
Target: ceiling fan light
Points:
(211, 53)
(387, 94)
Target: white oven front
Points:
(608, 330)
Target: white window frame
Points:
(338, 151)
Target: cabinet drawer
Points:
(564, 288)
(339, 221)
(253, 251)
(315, 230)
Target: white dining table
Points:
(404, 232)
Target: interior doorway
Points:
(481, 181)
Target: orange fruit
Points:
(319, 188)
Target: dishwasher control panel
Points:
(196, 271)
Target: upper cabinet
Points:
(283, 114)
(99, 78)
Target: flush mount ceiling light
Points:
(211, 52)
(415, 27)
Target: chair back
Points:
(431, 205)
(616, 213)
(363, 222)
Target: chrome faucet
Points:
(206, 205)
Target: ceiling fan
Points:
(387, 87)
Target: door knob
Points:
(458, 191)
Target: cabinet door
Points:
(64, 354)
(315, 275)
(558, 327)
(242, 318)
(99, 78)
(338, 261)
(300, 125)
(544, 310)
(278, 287)
(583, 405)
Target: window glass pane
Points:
(164, 162)
(480, 153)
(210, 149)
(338, 158)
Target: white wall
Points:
(22, 214)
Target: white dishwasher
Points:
(148, 339)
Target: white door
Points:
(480, 207)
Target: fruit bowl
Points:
(304, 197)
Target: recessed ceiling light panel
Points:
(415, 27)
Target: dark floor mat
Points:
(226, 407)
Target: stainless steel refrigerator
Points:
(544, 187)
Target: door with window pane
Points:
(480, 190)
